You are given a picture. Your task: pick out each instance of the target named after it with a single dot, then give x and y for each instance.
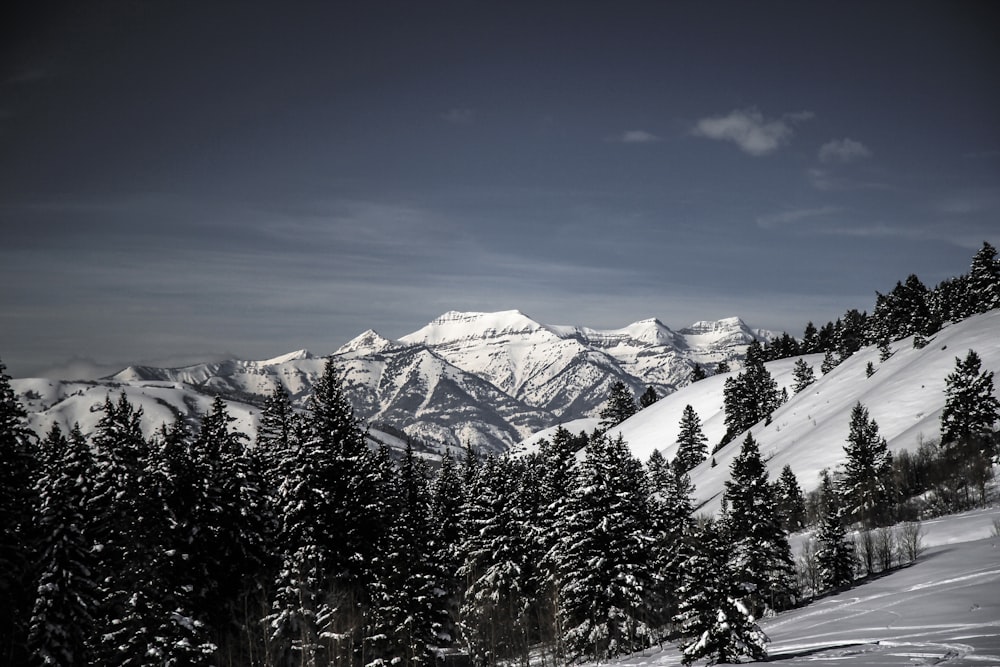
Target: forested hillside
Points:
(302, 545)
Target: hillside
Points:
(905, 396)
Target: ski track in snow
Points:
(942, 610)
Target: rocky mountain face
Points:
(485, 379)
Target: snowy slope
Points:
(905, 396)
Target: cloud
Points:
(637, 137)
(794, 216)
(843, 150)
(749, 130)
(459, 116)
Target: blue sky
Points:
(181, 181)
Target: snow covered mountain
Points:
(905, 396)
(489, 379)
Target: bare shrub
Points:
(909, 541)
(807, 569)
(885, 548)
(865, 550)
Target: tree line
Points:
(908, 309)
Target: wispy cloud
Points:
(750, 130)
(794, 215)
(459, 116)
(843, 150)
(636, 137)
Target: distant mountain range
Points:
(485, 379)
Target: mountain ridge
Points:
(479, 378)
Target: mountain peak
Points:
(712, 326)
(285, 358)
(369, 341)
(455, 326)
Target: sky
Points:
(185, 181)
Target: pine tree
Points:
(673, 529)
(867, 484)
(692, 445)
(404, 602)
(983, 286)
(834, 554)
(447, 508)
(810, 339)
(722, 367)
(125, 534)
(648, 398)
(697, 373)
(604, 555)
(18, 500)
(494, 610)
(62, 620)
(330, 530)
(277, 435)
(829, 362)
(558, 479)
(620, 406)
(803, 374)
(712, 620)
(749, 397)
(791, 502)
(760, 554)
(970, 411)
(232, 518)
(175, 569)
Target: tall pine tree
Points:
(759, 549)
(17, 515)
(867, 486)
(692, 445)
(62, 620)
(604, 560)
(712, 620)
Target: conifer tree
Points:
(495, 606)
(697, 373)
(791, 502)
(671, 510)
(404, 603)
(447, 508)
(62, 620)
(277, 435)
(722, 367)
(232, 518)
(867, 485)
(712, 620)
(18, 500)
(803, 374)
(620, 406)
(604, 555)
(125, 534)
(983, 282)
(558, 478)
(829, 362)
(648, 398)
(834, 553)
(810, 339)
(749, 397)
(330, 528)
(692, 445)
(970, 411)
(760, 553)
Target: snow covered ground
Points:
(944, 609)
(905, 395)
